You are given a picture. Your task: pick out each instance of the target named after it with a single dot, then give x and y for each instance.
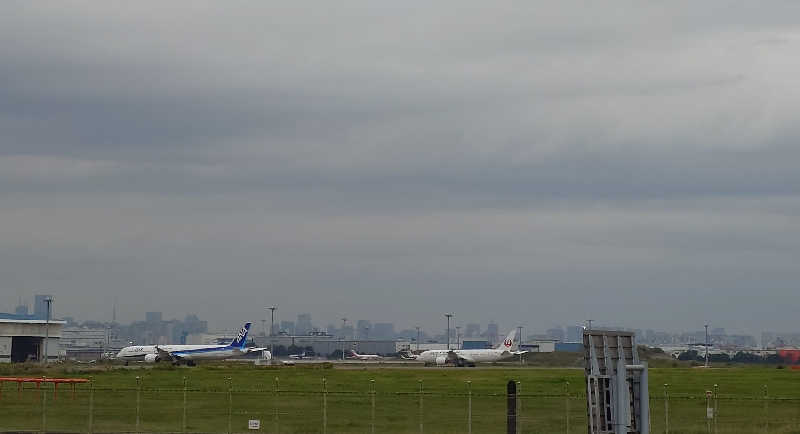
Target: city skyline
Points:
(534, 161)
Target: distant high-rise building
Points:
(287, 327)
(556, 333)
(364, 328)
(574, 334)
(382, 330)
(492, 333)
(303, 325)
(472, 331)
(40, 306)
(153, 317)
(22, 309)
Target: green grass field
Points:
(291, 399)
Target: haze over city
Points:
(393, 162)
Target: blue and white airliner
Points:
(188, 354)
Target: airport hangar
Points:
(22, 338)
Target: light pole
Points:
(366, 333)
(448, 315)
(272, 329)
(344, 324)
(49, 301)
(417, 339)
(706, 345)
(458, 337)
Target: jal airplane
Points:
(471, 357)
(188, 354)
(364, 357)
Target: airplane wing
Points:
(166, 355)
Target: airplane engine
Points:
(151, 358)
(441, 360)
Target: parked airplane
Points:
(364, 357)
(188, 354)
(299, 356)
(471, 357)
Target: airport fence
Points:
(93, 408)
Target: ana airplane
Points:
(364, 357)
(471, 357)
(188, 354)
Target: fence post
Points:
(230, 404)
(511, 407)
(183, 428)
(138, 400)
(716, 406)
(44, 405)
(91, 405)
(276, 396)
(469, 407)
(566, 406)
(421, 393)
(666, 408)
(372, 398)
(766, 409)
(519, 407)
(324, 406)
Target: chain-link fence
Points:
(369, 409)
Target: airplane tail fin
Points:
(241, 339)
(508, 343)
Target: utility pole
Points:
(417, 339)
(448, 315)
(272, 330)
(344, 324)
(49, 301)
(706, 346)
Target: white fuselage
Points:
(366, 357)
(474, 356)
(185, 352)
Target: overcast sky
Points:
(535, 163)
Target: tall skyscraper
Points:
(303, 325)
(473, 330)
(40, 306)
(492, 332)
(364, 329)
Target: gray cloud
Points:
(518, 162)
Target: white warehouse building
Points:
(22, 338)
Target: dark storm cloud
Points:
(358, 156)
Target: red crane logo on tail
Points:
(508, 342)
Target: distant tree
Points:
(335, 355)
(744, 357)
(310, 351)
(773, 359)
(280, 350)
(719, 358)
(688, 355)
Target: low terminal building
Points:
(22, 338)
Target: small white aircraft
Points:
(471, 357)
(188, 354)
(299, 356)
(364, 357)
